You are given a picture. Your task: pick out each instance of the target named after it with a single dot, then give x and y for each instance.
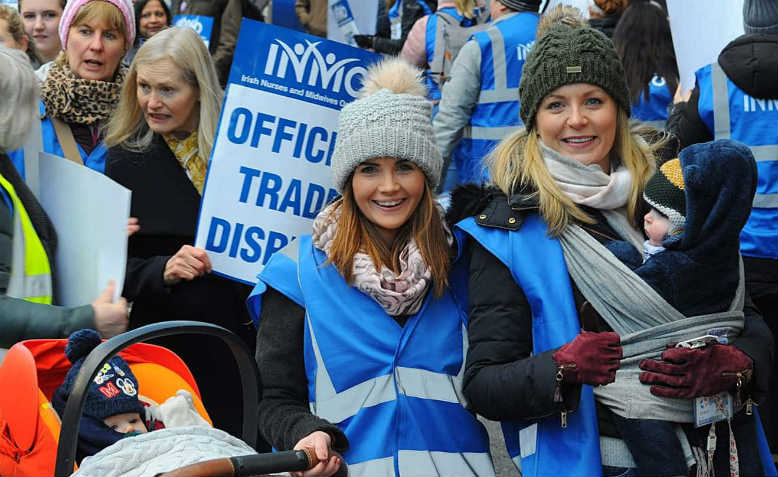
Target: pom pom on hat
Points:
(665, 191)
(114, 390)
(391, 118)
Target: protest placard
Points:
(89, 212)
(201, 24)
(269, 173)
(346, 18)
(698, 43)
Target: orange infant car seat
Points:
(30, 429)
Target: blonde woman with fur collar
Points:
(362, 330)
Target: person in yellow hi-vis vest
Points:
(27, 238)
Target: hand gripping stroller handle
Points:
(247, 465)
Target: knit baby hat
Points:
(391, 118)
(113, 391)
(72, 7)
(665, 191)
(568, 51)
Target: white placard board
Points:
(365, 16)
(701, 29)
(89, 212)
(269, 173)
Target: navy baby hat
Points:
(113, 391)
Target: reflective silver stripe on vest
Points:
(336, 407)
(765, 201)
(765, 153)
(501, 93)
(723, 130)
(438, 52)
(425, 463)
(376, 467)
(21, 285)
(490, 134)
(721, 125)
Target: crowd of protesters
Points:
(544, 228)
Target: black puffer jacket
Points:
(503, 380)
(751, 62)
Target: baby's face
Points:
(126, 423)
(656, 226)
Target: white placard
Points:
(269, 173)
(701, 29)
(365, 15)
(89, 212)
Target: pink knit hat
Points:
(72, 7)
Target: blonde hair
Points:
(101, 11)
(14, 21)
(466, 8)
(356, 233)
(184, 48)
(517, 162)
(19, 93)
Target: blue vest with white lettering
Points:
(654, 109)
(538, 267)
(729, 113)
(429, 43)
(395, 391)
(504, 47)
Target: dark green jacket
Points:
(20, 319)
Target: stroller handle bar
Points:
(248, 465)
(71, 420)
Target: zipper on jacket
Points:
(558, 399)
(742, 376)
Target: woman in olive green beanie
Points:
(551, 309)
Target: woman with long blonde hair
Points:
(160, 141)
(361, 339)
(553, 312)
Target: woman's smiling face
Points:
(387, 192)
(579, 121)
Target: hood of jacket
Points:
(719, 185)
(751, 62)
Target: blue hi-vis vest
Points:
(504, 48)
(394, 391)
(50, 144)
(94, 161)
(433, 46)
(729, 113)
(542, 446)
(654, 109)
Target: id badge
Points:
(396, 28)
(710, 409)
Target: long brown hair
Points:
(357, 234)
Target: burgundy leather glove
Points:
(591, 358)
(689, 373)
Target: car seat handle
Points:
(249, 465)
(71, 420)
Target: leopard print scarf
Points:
(398, 294)
(75, 100)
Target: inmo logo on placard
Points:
(312, 68)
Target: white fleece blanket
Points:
(162, 451)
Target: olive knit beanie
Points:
(390, 119)
(665, 191)
(568, 51)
